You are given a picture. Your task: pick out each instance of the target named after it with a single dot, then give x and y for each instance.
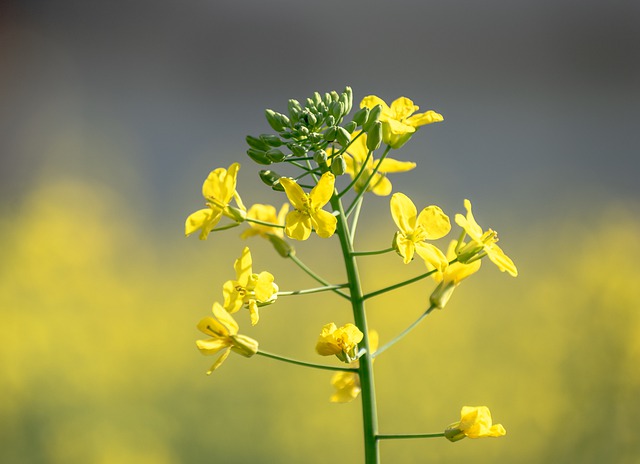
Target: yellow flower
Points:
(252, 290)
(218, 190)
(482, 243)
(343, 341)
(224, 332)
(347, 384)
(265, 213)
(355, 159)
(398, 121)
(308, 210)
(475, 422)
(430, 224)
(451, 277)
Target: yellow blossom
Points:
(399, 121)
(355, 159)
(347, 384)
(430, 224)
(224, 332)
(482, 243)
(308, 212)
(218, 190)
(343, 341)
(265, 213)
(252, 290)
(475, 422)
(451, 276)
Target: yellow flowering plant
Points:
(328, 156)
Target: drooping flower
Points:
(356, 155)
(265, 213)
(399, 121)
(475, 422)
(482, 243)
(451, 276)
(224, 332)
(430, 224)
(343, 341)
(308, 212)
(347, 384)
(218, 190)
(249, 289)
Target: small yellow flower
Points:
(343, 341)
(224, 332)
(430, 224)
(482, 243)
(308, 212)
(355, 159)
(249, 289)
(398, 121)
(347, 384)
(451, 277)
(475, 422)
(218, 190)
(265, 213)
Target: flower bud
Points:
(277, 121)
(453, 433)
(338, 165)
(276, 155)
(360, 117)
(342, 136)
(271, 140)
(350, 127)
(256, 143)
(258, 156)
(336, 109)
(330, 134)
(297, 149)
(334, 96)
(331, 121)
(294, 106)
(246, 346)
(317, 99)
(271, 178)
(320, 157)
(374, 115)
(283, 247)
(374, 136)
(237, 214)
(347, 99)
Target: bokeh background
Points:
(111, 116)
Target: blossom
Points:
(355, 159)
(430, 224)
(482, 243)
(398, 121)
(218, 190)
(451, 276)
(252, 290)
(343, 341)
(308, 210)
(475, 422)
(347, 384)
(265, 213)
(224, 332)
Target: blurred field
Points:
(98, 362)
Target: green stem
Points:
(366, 185)
(264, 223)
(315, 276)
(306, 364)
(365, 369)
(360, 172)
(354, 221)
(313, 290)
(398, 285)
(400, 436)
(402, 334)
(368, 253)
(228, 226)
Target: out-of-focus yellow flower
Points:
(451, 277)
(252, 290)
(308, 212)
(430, 224)
(343, 341)
(218, 190)
(398, 121)
(475, 422)
(265, 213)
(356, 156)
(347, 384)
(224, 332)
(482, 243)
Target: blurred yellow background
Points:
(109, 125)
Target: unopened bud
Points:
(338, 165)
(269, 177)
(271, 140)
(374, 115)
(350, 127)
(342, 136)
(330, 134)
(360, 116)
(277, 121)
(256, 143)
(258, 156)
(374, 136)
(237, 214)
(297, 149)
(294, 106)
(320, 157)
(276, 155)
(283, 247)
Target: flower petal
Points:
(324, 223)
(434, 222)
(391, 165)
(205, 219)
(210, 326)
(431, 255)
(265, 288)
(422, 119)
(323, 191)
(233, 299)
(402, 107)
(294, 192)
(371, 100)
(242, 267)
(403, 212)
(298, 225)
(219, 361)
(212, 345)
(380, 185)
(405, 247)
(504, 263)
(225, 318)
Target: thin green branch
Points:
(315, 276)
(401, 436)
(402, 334)
(354, 221)
(264, 223)
(313, 290)
(368, 253)
(228, 226)
(304, 363)
(357, 177)
(366, 185)
(398, 285)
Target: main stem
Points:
(365, 371)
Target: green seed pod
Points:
(276, 155)
(330, 134)
(374, 115)
(350, 127)
(258, 156)
(360, 117)
(320, 157)
(271, 140)
(256, 143)
(374, 136)
(342, 136)
(338, 165)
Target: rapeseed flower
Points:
(451, 276)
(343, 341)
(475, 422)
(347, 384)
(265, 213)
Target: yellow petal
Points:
(233, 299)
(225, 319)
(422, 119)
(347, 385)
(371, 100)
(210, 326)
(213, 345)
(431, 255)
(402, 107)
(298, 225)
(358, 148)
(403, 212)
(229, 186)
(381, 186)
(242, 267)
(434, 222)
(324, 223)
(323, 191)
(391, 165)
(205, 219)
(294, 192)
(504, 263)
(253, 311)
(469, 223)
(406, 248)
(219, 361)
(265, 288)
